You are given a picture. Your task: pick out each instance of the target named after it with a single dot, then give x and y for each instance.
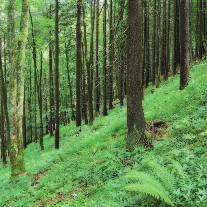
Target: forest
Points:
(103, 103)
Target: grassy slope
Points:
(86, 170)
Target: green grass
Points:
(88, 169)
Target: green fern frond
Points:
(162, 173)
(151, 190)
(178, 167)
(148, 184)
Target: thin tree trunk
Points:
(97, 85)
(184, 69)
(104, 61)
(78, 64)
(57, 92)
(40, 103)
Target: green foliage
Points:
(88, 169)
(149, 185)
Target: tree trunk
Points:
(97, 85)
(135, 114)
(17, 89)
(184, 65)
(78, 64)
(57, 92)
(104, 61)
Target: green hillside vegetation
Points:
(92, 167)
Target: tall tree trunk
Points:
(104, 60)
(176, 36)
(51, 89)
(184, 65)
(70, 88)
(164, 68)
(97, 85)
(2, 110)
(90, 66)
(154, 42)
(17, 89)
(24, 128)
(34, 53)
(111, 55)
(57, 92)
(40, 103)
(78, 64)
(135, 114)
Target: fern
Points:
(161, 173)
(148, 185)
(151, 190)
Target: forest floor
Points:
(88, 169)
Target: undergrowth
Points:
(92, 167)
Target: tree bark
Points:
(17, 89)
(184, 37)
(78, 64)
(135, 114)
(57, 90)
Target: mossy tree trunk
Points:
(17, 95)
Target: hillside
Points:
(88, 169)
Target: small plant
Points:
(155, 181)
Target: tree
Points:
(176, 36)
(111, 55)
(184, 40)
(57, 92)
(104, 60)
(17, 91)
(135, 114)
(97, 85)
(78, 64)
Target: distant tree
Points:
(57, 92)
(78, 64)
(97, 83)
(184, 40)
(111, 53)
(176, 36)
(104, 59)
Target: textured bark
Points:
(51, 89)
(104, 60)
(17, 89)
(154, 41)
(176, 36)
(111, 55)
(34, 53)
(164, 68)
(84, 96)
(40, 103)
(158, 46)
(2, 109)
(24, 127)
(184, 39)
(70, 88)
(97, 85)
(90, 65)
(135, 114)
(57, 90)
(78, 64)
